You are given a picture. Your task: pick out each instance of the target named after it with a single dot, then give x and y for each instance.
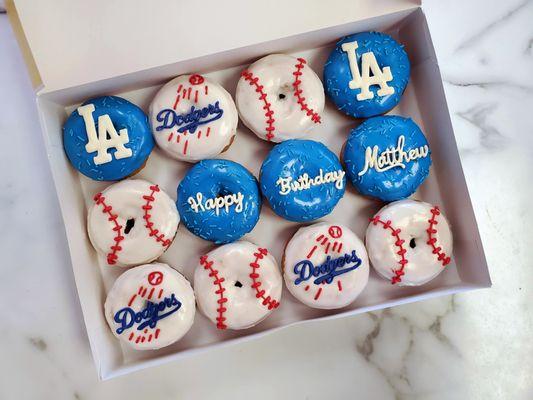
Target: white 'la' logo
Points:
(100, 142)
(369, 63)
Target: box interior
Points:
(423, 101)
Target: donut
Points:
(366, 74)
(219, 200)
(280, 97)
(107, 138)
(150, 306)
(132, 222)
(409, 242)
(325, 265)
(302, 180)
(193, 118)
(237, 285)
(387, 157)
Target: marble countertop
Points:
(470, 346)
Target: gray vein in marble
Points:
(529, 47)
(491, 85)
(490, 137)
(38, 343)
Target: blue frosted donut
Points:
(387, 157)
(219, 200)
(366, 74)
(107, 138)
(302, 180)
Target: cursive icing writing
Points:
(189, 121)
(392, 157)
(198, 204)
(303, 182)
(147, 317)
(328, 270)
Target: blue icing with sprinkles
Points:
(302, 180)
(338, 74)
(387, 157)
(123, 115)
(219, 200)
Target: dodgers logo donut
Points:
(302, 180)
(366, 74)
(387, 157)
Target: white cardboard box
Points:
(64, 82)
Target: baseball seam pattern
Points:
(115, 248)
(437, 250)
(315, 117)
(253, 81)
(146, 335)
(213, 273)
(159, 237)
(399, 272)
(260, 293)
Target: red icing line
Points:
(307, 288)
(318, 239)
(213, 273)
(151, 293)
(107, 209)
(298, 92)
(185, 147)
(311, 252)
(208, 130)
(260, 293)
(317, 295)
(144, 292)
(441, 256)
(196, 96)
(179, 88)
(248, 76)
(189, 93)
(160, 293)
(199, 134)
(176, 102)
(159, 237)
(340, 247)
(339, 284)
(327, 248)
(157, 332)
(170, 136)
(131, 336)
(206, 90)
(131, 300)
(399, 272)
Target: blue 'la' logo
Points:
(189, 121)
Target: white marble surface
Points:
(471, 346)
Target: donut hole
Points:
(130, 223)
(412, 243)
(282, 96)
(223, 192)
(238, 284)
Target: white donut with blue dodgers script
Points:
(325, 265)
(150, 306)
(193, 118)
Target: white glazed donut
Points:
(409, 242)
(325, 265)
(193, 118)
(132, 222)
(150, 306)
(280, 97)
(237, 285)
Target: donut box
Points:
(423, 100)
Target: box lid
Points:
(68, 43)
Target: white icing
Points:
(391, 157)
(99, 142)
(315, 243)
(128, 286)
(232, 263)
(411, 217)
(126, 200)
(275, 74)
(369, 65)
(217, 203)
(303, 182)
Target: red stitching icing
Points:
(113, 255)
(441, 256)
(213, 273)
(160, 238)
(315, 117)
(248, 76)
(398, 273)
(260, 294)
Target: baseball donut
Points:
(325, 265)
(150, 306)
(107, 138)
(193, 118)
(237, 285)
(132, 222)
(409, 242)
(280, 97)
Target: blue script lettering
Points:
(189, 121)
(148, 316)
(326, 271)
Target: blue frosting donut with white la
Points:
(107, 138)
(219, 200)
(366, 74)
(302, 180)
(387, 157)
